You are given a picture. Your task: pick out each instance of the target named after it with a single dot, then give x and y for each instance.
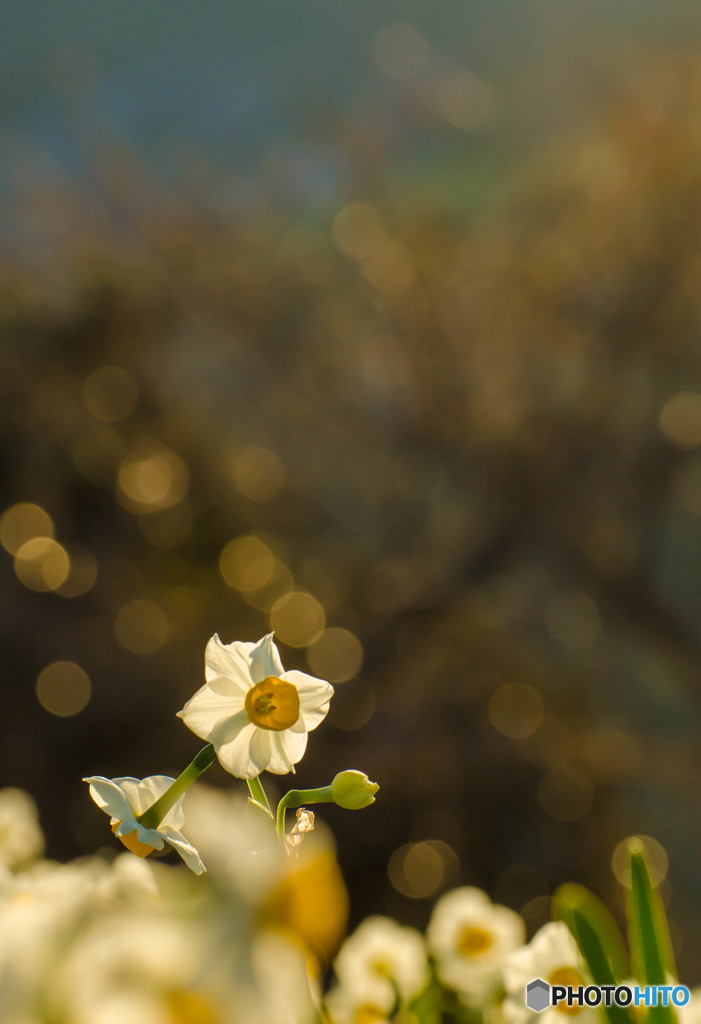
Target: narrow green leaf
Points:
(569, 904)
(650, 945)
(600, 921)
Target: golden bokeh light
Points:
(655, 856)
(141, 626)
(110, 393)
(516, 710)
(23, 522)
(297, 618)
(152, 477)
(63, 689)
(337, 655)
(247, 563)
(566, 794)
(42, 564)
(82, 573)
(258, 473)
(281, 582)
(419, 870)
(680, 419)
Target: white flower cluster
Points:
(472, 959)
(93, 942)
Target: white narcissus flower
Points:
(379, 955)
(255, 714)
(554, 956)
(125, 799)
(470, 938)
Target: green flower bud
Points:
(353, 790)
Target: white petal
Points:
(287, 749)
(229, 689)
(186, 850)
(210, 705)
(230, 660)
(314, 697)
(142, 793)
(235, 755)
(151, 789)
(265, 660)
(149, 836)
(228, 729)
(261, 748)
(108, 795)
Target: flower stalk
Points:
(299, 798)
(156, 812)
(255, 788)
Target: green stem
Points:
(297, 798)
(255, 787)
(155, 814)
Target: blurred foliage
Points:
(470, 454)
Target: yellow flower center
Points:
(190, 1008)
(382, 968)
(272, 704)
(473, 941)
(567, 976)
(132, 842)
(368, 1015)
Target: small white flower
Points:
(554, 956)
(255, 714)
(470, 938)
(354, 1006)
(379, 955)
(125, 799)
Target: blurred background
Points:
(375, 324)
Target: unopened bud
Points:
(353, 790)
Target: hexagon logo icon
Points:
(537, 995)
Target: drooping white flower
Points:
(379, 956)
(256, 715)
(470, 938)
(125, 799)
(554, 956)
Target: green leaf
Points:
(601, 922)
(650, 946)
(598, 939)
